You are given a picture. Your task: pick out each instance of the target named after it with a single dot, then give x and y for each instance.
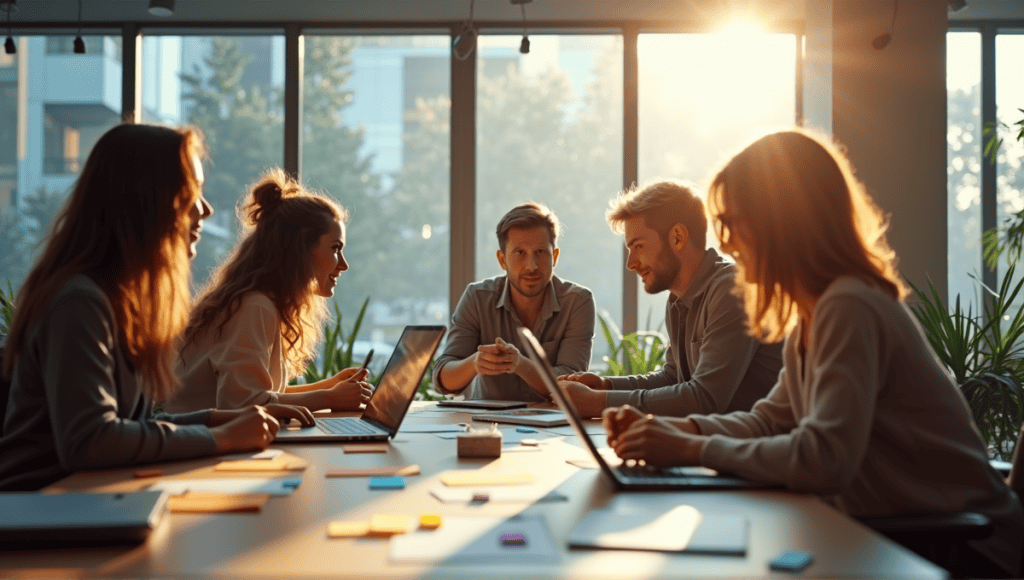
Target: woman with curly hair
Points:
(259, 318)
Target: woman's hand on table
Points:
(656, 440)
(243, 429)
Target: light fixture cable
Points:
(524, 46)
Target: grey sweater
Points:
(870, 419)
(77, 403)
(721, 369)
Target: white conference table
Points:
(288, 538)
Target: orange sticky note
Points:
(201, 502)
(383, 525)
(347, 529)
(430, 521)
(365, 448)
(144, 473)
(374, 471)
(466, 478)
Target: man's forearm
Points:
(456, 375)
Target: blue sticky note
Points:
(525, 430)
(387, 483)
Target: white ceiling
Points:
(445, 12)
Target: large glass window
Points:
(1009, 111)
(963, 170)
(54, 105)
(376, 137)
(231, 88)
(701, 97)
(549, 129)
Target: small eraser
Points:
(390, 482)
(430, 521)
(479, 444)
(530, 442)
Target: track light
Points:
(464, 42)
(957, 5)
(162, 8)
(79, 43)
(882, 40)
(9, 6)
(524, 46)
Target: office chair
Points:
(941, 537)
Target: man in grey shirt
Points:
(483, 348)
(711, 365)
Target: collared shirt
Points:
(722, 368)
(564, 327)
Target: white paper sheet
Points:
(272, 486)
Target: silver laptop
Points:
(391, 397)
(629, 478)
(36, 520)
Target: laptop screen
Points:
(397, 385)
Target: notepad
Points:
(216, 502)
(681, 529)
(282, 462)
(365, 448)
(478, 478)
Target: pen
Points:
(366, 363)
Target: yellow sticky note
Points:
(466, 478)
(347, 529)
(390, 525)
(283, 462)
(365, 448)
(201, 502)
(430, 521)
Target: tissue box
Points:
(480, 444)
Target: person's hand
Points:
(588, 402)
(497, 359)
(285, 413)
(655, 441)
(591, 380)
(616, 420)
(351, 373)
(346, 395)
(243, 429)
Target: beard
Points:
(664, 272)
(521, 288)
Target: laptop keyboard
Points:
(346, 426)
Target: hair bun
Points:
(267, 195)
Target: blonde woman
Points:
(91, 344)
(258, 320)
(864, 413)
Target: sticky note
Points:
(460, 478)
(525, 430)
(530, 442)
(392, 482)
(268, 454)
(216, 502)
(430, 521)
(390, 525)
(283, 462)
(365, 448)
(513, 540)
(347, 529)
(143, 473)
(373, 471)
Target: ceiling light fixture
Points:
(524, 46)
(957, 5)
(9, 6)
(79, 43)
(464, 42)
(882, 40)
(161, 8)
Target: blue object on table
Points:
(791, 561)
(391, 482)
(525, 430)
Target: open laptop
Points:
(391, 397)
(629, 478)
(36, 520)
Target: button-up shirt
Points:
(564, 327)
(721, 369)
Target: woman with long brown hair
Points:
(863, 413)
(260, 316)
(96, 321)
